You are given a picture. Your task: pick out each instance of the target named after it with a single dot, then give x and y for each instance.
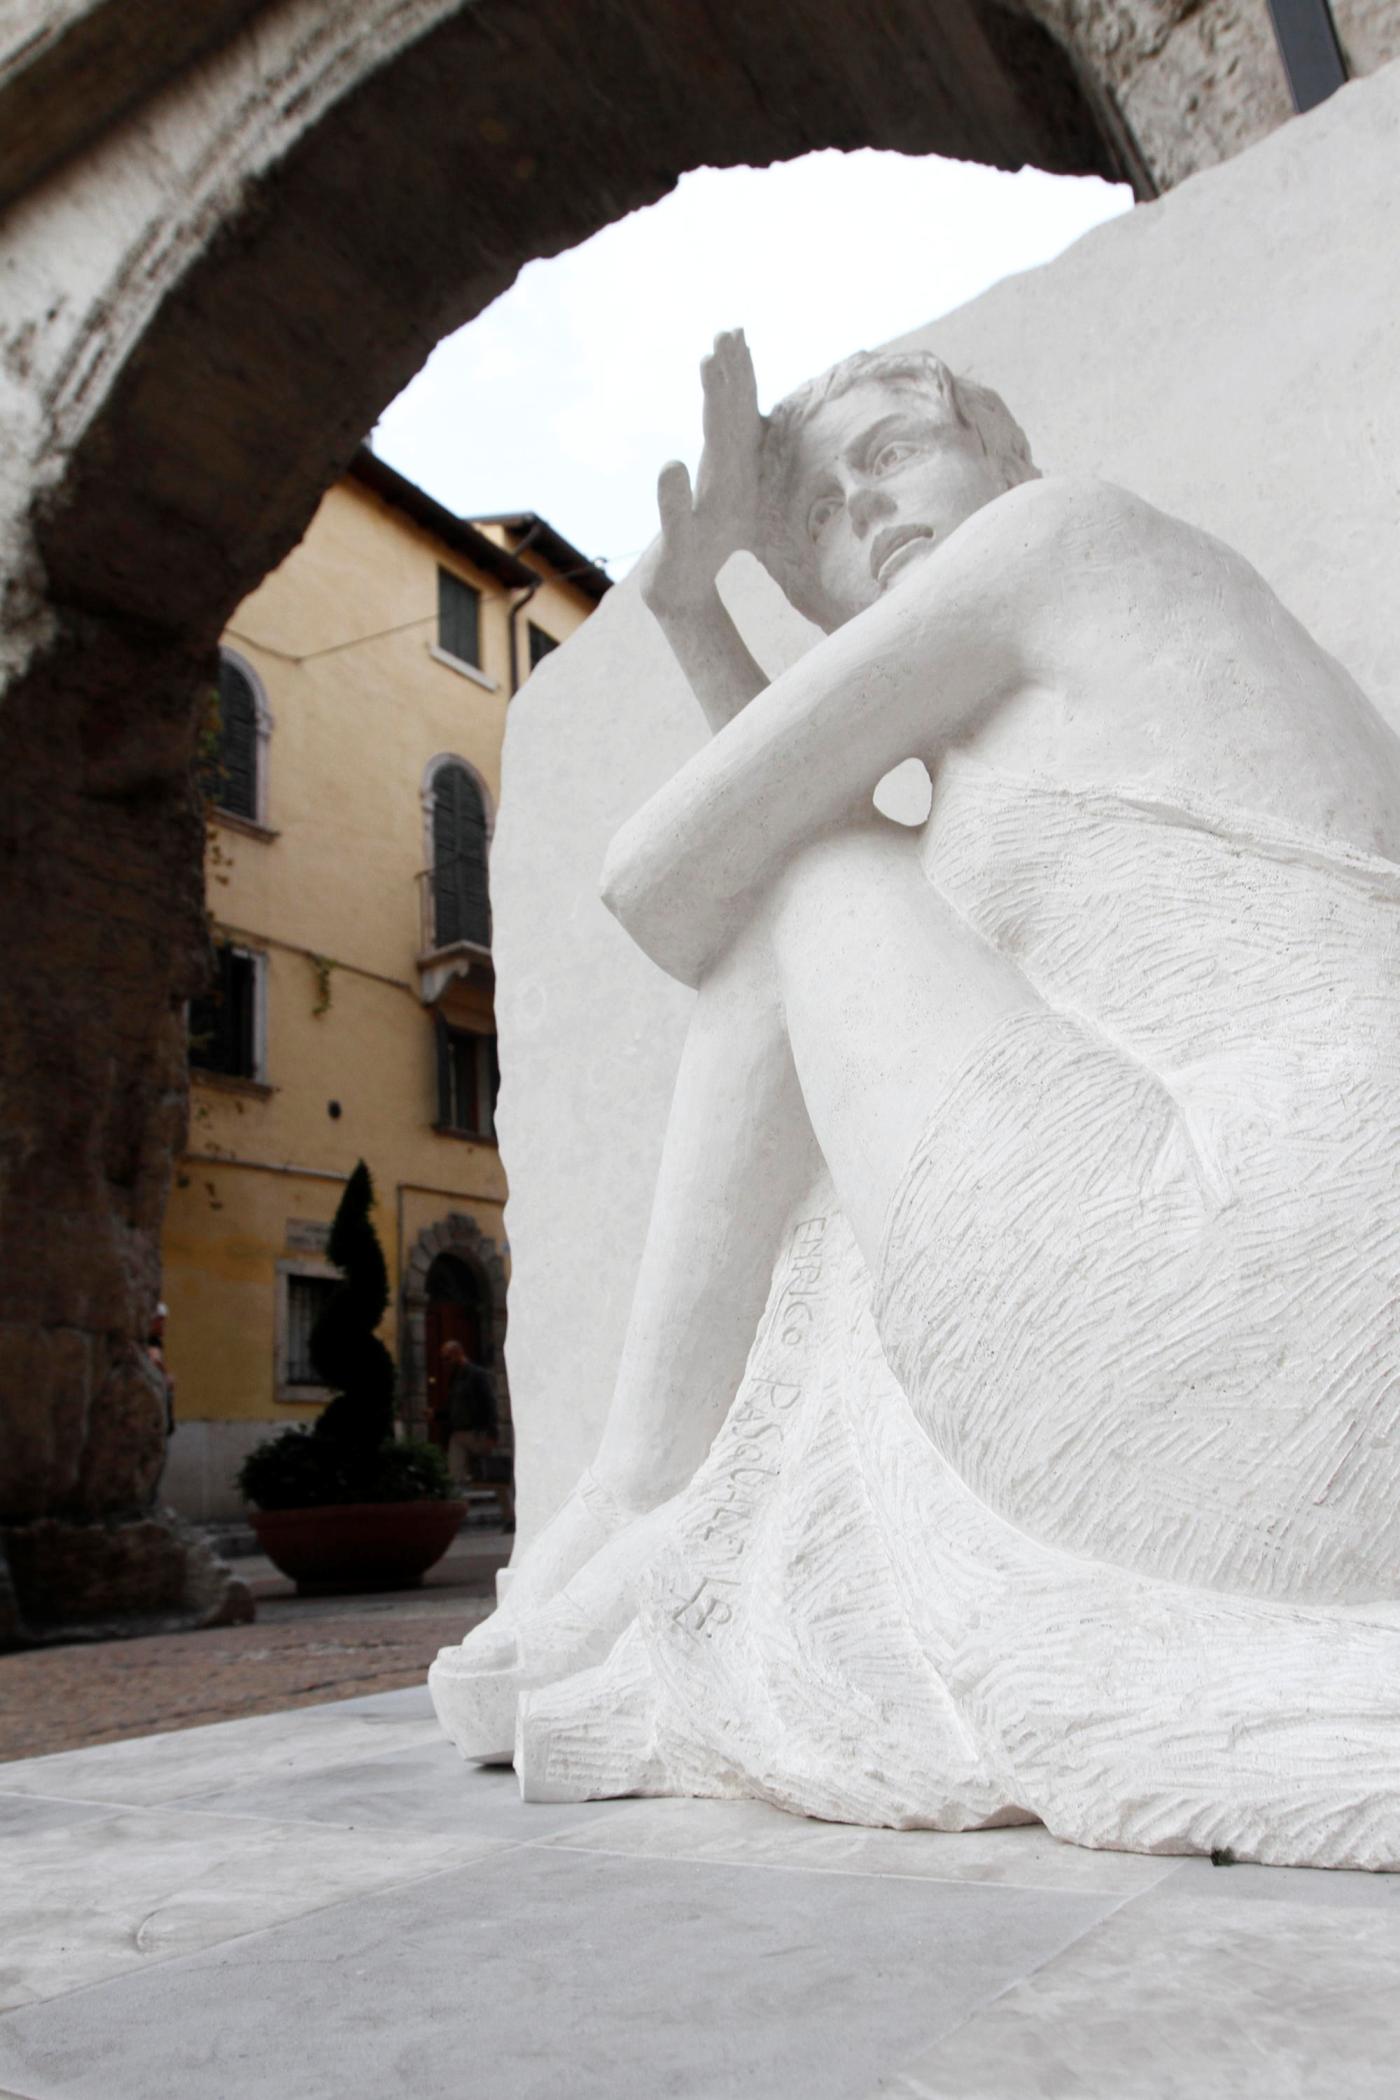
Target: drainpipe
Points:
(1310, 49)
(517, 605)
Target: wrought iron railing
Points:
(446, 917)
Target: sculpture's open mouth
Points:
(892, 545)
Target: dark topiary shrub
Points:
(350, 1453)
(299, 1470)
(344, 1346)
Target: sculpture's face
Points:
(883, 474)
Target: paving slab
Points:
(83, 1901)
(1192, 1993)
(329, 1902)
(421, 1788)
(145, 1770)
(540, 1972)
(746, 1833)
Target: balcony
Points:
(454, 928)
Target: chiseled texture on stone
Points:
(837, 1625)
(1060, 1478)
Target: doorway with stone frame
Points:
(454, 1289)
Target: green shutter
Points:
(235, 786)
(459, 618)
(442, 1037)
(461, 900)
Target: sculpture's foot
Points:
(592, 1736)
(475, 1689)
(574, 1594)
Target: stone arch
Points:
(459, 1235)
(248, 294)
(233, 242)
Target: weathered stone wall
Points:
(230, 240)
(1190, 84)
(1369, 32)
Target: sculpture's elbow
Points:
(635, 888)
(618, 884)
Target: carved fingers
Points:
(728, 478)
(673, 500)
(702, 526)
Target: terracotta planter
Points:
(357, 1545)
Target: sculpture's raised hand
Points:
(700, 529)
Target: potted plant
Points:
(344, 1504)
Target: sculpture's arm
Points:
(699, 532)
(974, 621)
(707, 645)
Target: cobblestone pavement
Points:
(300, 1651)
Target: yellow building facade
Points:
(353, 774)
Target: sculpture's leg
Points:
(880, 990)
(738, 1153)
(886, 990)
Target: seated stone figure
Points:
(1009, 1424)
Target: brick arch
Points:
(457, 1234)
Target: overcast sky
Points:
(568, 394)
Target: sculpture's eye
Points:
(821, 515)
(892, 455)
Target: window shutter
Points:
(223, 1024)
(236, 785)
(493, 1084)
(461, 899)
(443, 1038)
(459, 618)
(307, 1298)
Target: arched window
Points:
(461, 902)
(233, 763)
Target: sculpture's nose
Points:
(867, 506)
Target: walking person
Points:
(474, 1429)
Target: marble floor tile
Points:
(1197, 1881)
(545, 1974)
(84, 1901)
(412, 1702)
(146, 1770)
(424, 1787)
(1189, 1996)
(33, 1812)
(750, 1834)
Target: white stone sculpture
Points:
(1062, 1478)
